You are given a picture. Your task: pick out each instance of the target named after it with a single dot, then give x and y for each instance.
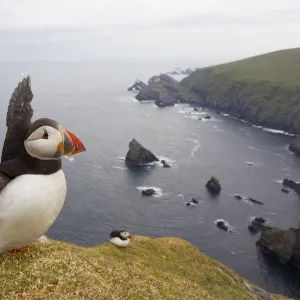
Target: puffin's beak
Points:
(72, 144)
(130, 236)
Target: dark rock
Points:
(257, 224)
(292, 185)
(200, 119)
(137, 86)
(253, 229)
(148, 192)
(254, 201)
(283, 244)
(195, 201)
(165, 164)
(196, 109)
(295, 147)
(222, 225)
(237, 196)
(192, 202)
(213, 186)
(259, 220)
(285, 190)
(207, 117)
(138, 155)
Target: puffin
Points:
(120, 238)
(33, 186)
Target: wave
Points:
(267, 152)
(278, 180)
(119, 168)
(158, 191)
(250, 163)
(266, 129)
(195, 148)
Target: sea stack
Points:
(139, 155)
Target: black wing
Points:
(115, 233)
(18, 120)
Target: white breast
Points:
(29, 205)
(118, 242)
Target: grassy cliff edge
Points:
(164, 268)
(264, 90)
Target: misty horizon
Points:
(192, 34)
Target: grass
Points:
(279, 68)
(165, 268)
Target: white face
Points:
(125, 234)
(45, 143)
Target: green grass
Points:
(166, 268)
(280, 68)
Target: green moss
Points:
(168, 268)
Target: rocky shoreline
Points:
(219, 93)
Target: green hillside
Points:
(264, 90)
(281, 68)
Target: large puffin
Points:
(32, 184)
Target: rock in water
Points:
(138, 155)
(254, 201)
(148, 192)
(295, 147)
(237, 196)
(221, 224)
(213, 186)
(257, 224)
(283, 244)
(285, 190)
(207, 117)
(165, 164)
(292, 185)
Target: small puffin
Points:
(120, 238)
(32, 184)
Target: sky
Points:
(201, 32)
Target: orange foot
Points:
(15, 251)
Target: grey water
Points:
(91, 100)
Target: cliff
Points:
(264, 90)
(164, 268)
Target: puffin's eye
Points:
(45, 135)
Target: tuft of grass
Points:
(164, 268)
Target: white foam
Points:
(119, 168)
(158, 190)
(277, 131)
(278, 180)
(121, 158)
(71, 159)
(93, 166)
(250, 163)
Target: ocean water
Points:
(91, 100)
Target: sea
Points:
(91, 100)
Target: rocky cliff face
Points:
(283, 244)
(260, 103)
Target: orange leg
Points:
(15, 251)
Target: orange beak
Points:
(130, 236)
(72, 144)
